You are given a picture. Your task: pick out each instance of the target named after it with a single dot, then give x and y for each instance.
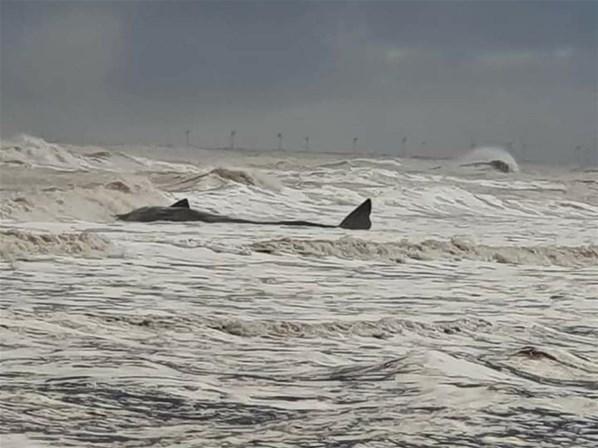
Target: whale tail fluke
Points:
(359, 219)
(183, 203)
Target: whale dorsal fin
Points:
(359, 219)
(183, 203)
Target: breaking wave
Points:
(28, 151)
(454, 249)
(494, 157)
(31, 151)
(217, 178)
(379, 329)
(81, 198)
(281, 328)
(19, 244)
(364, 163)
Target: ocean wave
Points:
(32, 151)
(379, 329)
(452, 200)
(363, 163)
(280, 328)
(160, 166)
(454, 249)
(216, 178)
(494, 157)
(552, 366)
(83, 197)
(23, 245)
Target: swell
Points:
(454, 249)
(494, 157)
(23, 245)
(547, 366)
(379, 329)
(137, 324)
(215, 178)
(364, 163)
(34, 152)
(30, 151)
(38, 196)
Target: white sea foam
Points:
(470, 304)
(218, 178)
(17, 244)
(489, 154)
(29, 151)
(85, 197)
(36, 152)
(454, 249)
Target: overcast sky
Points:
(439, 72)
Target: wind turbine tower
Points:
(233, 133)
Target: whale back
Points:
(358, 219)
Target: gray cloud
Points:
(439, 72)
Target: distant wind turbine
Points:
(232, 139)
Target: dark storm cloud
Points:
(439, 72)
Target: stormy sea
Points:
(466, 316)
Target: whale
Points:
(180, 211)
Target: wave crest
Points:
(74, 196)
(217, 178)
(22, 245)
(364, 163)
(281, 328)
(456, 249)
(495, 157)
(379, 329)
(27, 150)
